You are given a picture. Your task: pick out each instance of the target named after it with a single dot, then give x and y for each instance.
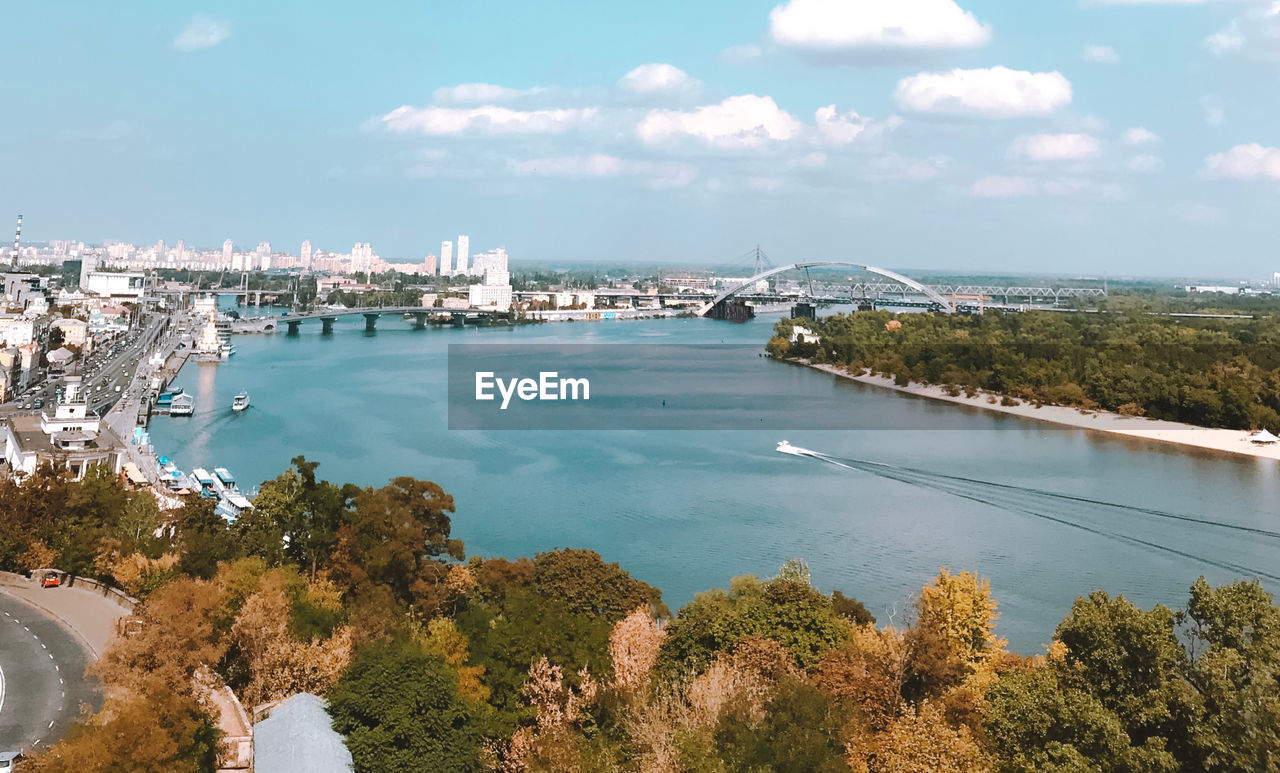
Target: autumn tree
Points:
(920, 740)
(144, 729)
(634, 643)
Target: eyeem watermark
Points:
(547, 387)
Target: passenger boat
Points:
(240, 402)
(206, 482)
(182, 405)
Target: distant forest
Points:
(1203, 371)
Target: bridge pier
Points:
(371, 321)
(459, 318)
(326, 325)
(293, 326)
(419, 320)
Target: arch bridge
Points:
(946, 305)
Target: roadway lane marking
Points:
(51, 723)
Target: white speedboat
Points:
(240, 402)
(786, 448)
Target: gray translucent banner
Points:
(685, 387)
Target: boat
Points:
(206, 482)
(240, 402)
(230, 500)
(786, 448)
(182, 405)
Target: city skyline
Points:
(926, 133)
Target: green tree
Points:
(400, 710)
(585, 583)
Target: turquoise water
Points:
(688, 510)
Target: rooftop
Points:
(299, 737)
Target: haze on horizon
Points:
(1066, 136)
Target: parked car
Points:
(7, 760)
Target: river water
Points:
(1046, 513)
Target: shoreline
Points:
(1229, 441)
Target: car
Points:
(49, 580)
(7, 760)
(38, 404)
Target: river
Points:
(1046, 513)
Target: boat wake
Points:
(1049, 505)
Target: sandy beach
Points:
(1232, 441)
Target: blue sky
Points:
(1073, 136)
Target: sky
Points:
(1127, 137)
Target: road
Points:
(44, 681)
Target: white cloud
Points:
(598, 165)
(441, 121)
(659, 174)
(764, 184)
(1100, 55)
(1245, 162)
(1057, 147)
(201, 32)
(479, 94)
(656, 79)
(743, 54)
(837, 128)
(1255, 31)
(738, 122)
(851, 25)
(999, 187)
(1140, 136)
(892, 166)
(997, 92)
(1145, 164)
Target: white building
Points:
(227, 249)
(493, 292)
(362, 258)
(129, 284)
(464, 247)
(305, 254)
(446, 258)
(72, 438)
(493, 259)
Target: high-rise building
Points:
(227, 248)
(464, 247)
(492, 260)
(305, 254)
(429, 265)
(264, 248)
(361, 258)
(446, 258)
(88, 265)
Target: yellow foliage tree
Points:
(960, 608)
(442, 638)
(633, 647)
(279, 665)
(918, 742)
(38, 556)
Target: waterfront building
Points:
(464, 247)
(71, 437)
(493, 292)
(446, 258)
(493, 259)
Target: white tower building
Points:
(446, 258)
(227, 248)
(305, 254)
(464, 247)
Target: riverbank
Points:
(1231, 441)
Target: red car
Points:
(50, 580)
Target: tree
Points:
(634, 643)
(801, 733)
(305, 513)
(203, 539)
(391, 533)
(146, 729)
(921, 741)
(1235, 634)
(585, 583)
(400, 710)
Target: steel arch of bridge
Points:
(932, 294)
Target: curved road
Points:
(44, 680)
